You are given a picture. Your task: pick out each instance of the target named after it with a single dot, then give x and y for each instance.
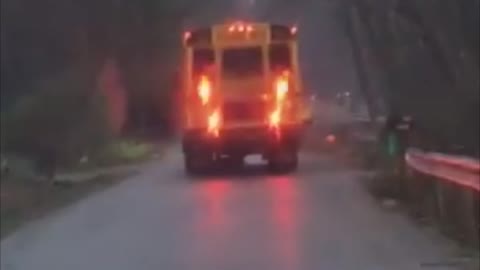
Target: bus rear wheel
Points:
(198, 163)
(284, 161)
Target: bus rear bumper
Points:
(242, 141)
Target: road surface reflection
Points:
(285, 209)
(223, 227)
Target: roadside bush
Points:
(64, 118)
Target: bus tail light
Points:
(281, 88)
(204, 89)
(214, 122)
(275, 118)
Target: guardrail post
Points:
(449, 205)
(440, 204)
(419, 196)
(458, 210)
(469, 217)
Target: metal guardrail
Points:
(460, 170)
(446, 188)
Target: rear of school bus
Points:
(243, 95)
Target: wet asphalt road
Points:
(318, 218)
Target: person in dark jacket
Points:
(395, 136)
(394, 139)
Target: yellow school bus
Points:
(243, 95)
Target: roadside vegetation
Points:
(421, 59)
(85, 86)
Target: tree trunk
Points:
(358, 59)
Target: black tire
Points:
(283, 162)
(197, 163)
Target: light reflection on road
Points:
(212, 224)
(285, 209)
(221, 229)
(216, 193)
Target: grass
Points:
(121, 152)
(128, 151)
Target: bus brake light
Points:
(281, 88)
(275, 118)
(204, 89)
(214, 123)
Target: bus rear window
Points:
(280, 57)
(242, 61)
(202, 60)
